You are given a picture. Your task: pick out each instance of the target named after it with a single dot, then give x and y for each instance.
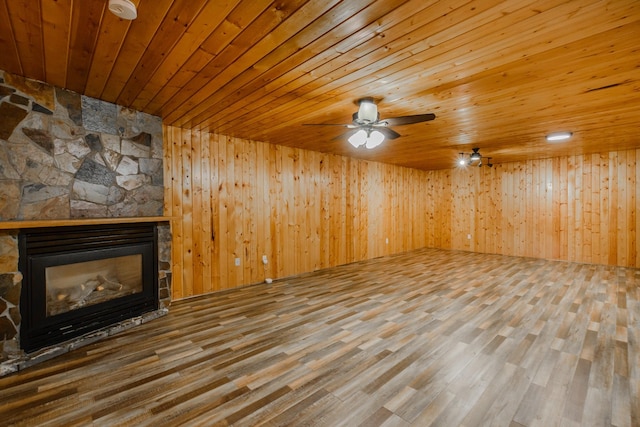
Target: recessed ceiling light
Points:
(123, 9)
(558, 136)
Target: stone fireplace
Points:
(70, 162)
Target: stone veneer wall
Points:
(65, 156)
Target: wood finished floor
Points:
(431, 337)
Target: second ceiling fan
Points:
(370, 130)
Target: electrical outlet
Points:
(265, 261)
(468, 236)
(386, 241)
(237, 262)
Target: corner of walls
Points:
(235, 201)
(577, 208)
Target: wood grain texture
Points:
(498, 74)
(429, 337)
(304, 210)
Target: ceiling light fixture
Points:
(374, 139)
(368, 138)
(368, 111)
(475, 156)
(559, 136)
(359, 138)
(123, 9)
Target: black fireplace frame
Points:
(46, 247)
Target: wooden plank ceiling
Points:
(499, 75)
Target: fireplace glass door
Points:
(80, 279)
(71, 286)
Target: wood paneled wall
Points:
(575, 208)
(304, 210)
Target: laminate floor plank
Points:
(429, 337)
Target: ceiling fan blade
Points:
(407, 120)
(343, 136)
(388, 132)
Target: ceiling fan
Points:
(371, 131)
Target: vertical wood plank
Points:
(577, 243)
(338, 221)
(298, 213)
(275, 197)
(206, 213)
(556, 201)
(532, 188)
(362, 234)
(444, 206)
(565, 175)
(596, 210)
(216, 230)
(187, 212)
(196, 229)
(177, 242)
(225, 188)
(494, 225)
(250, 203)
(521, 210)
(613, 209)
(235, 215)
(314, 209)
(351, 214)
(325, 192)
(263, 241)
(288, 225)
(587, 209)
(622, 217)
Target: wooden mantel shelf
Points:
(16, 225)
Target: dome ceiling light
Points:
(123, 9)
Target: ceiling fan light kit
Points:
(369, 139)
(358, 138)
(371, 131)
(374, 139)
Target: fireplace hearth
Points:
(79, 279)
